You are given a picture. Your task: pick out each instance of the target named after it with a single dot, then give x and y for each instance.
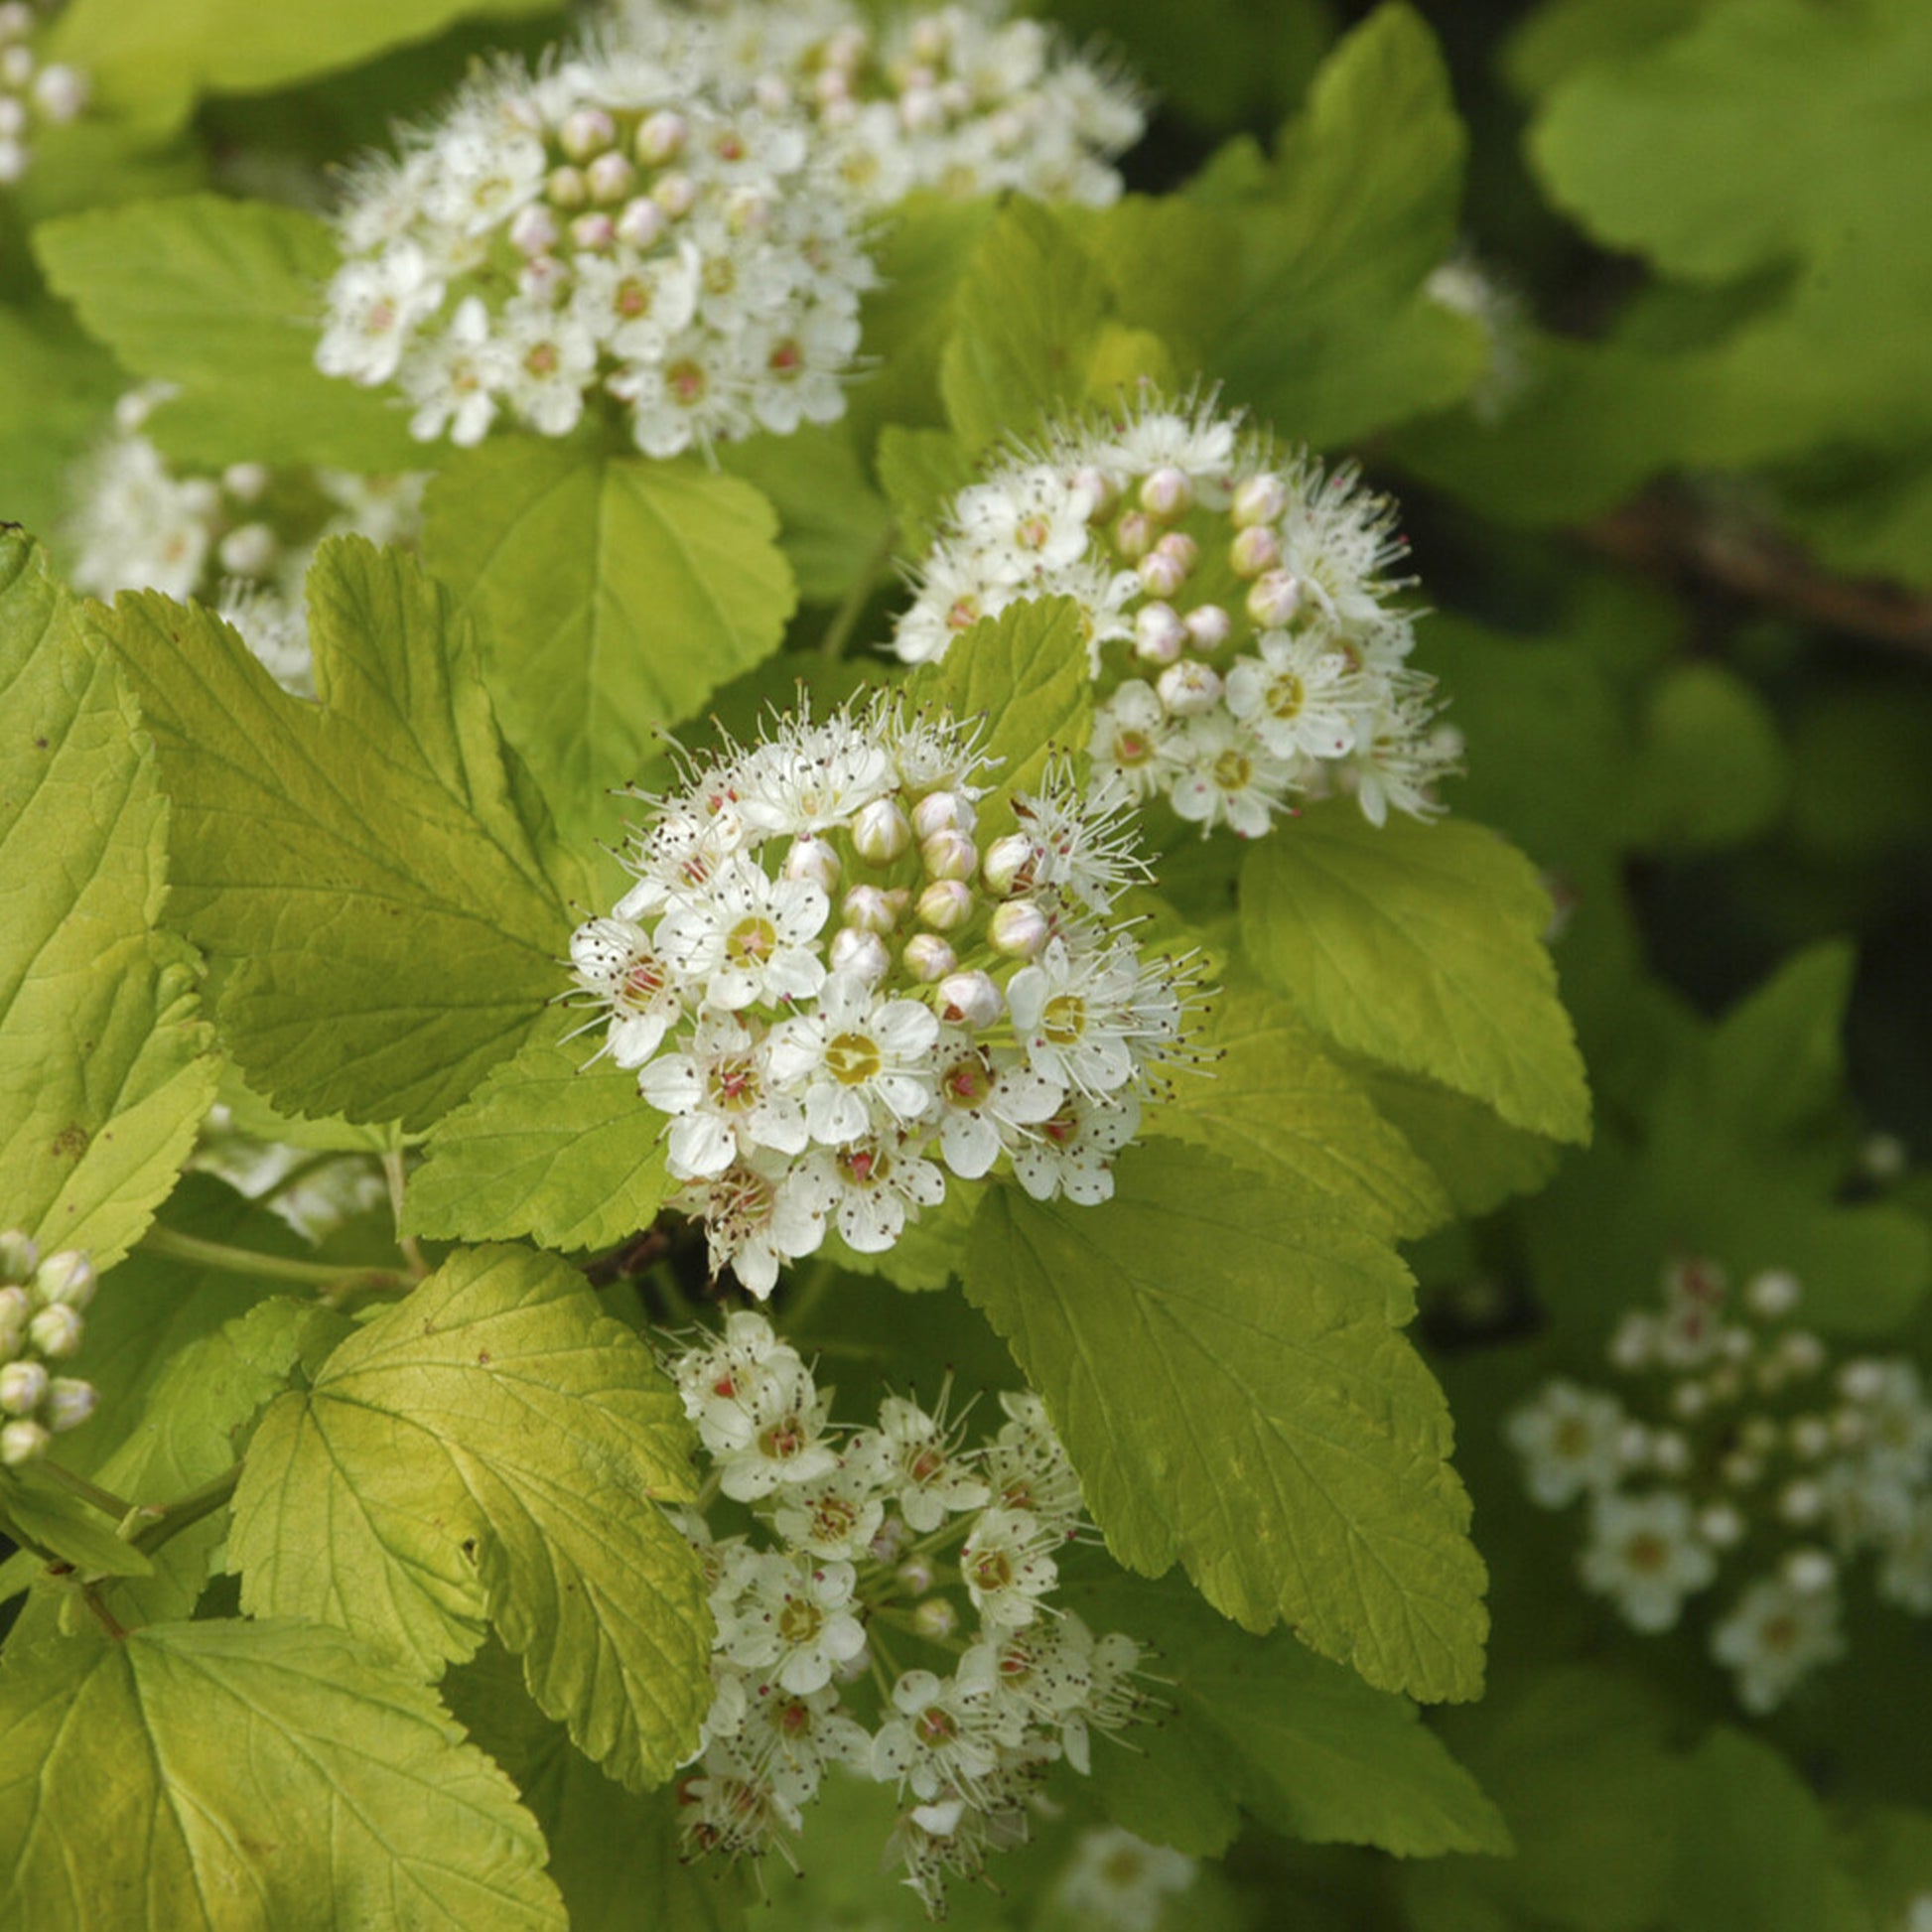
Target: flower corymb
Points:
(839, 992)
(1242, 631)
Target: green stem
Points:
(90, 1596)
(280, 1268)
(394, 1171)
(103, 1500)
(188, 1510)
(845, 621)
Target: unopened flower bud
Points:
(248, 550)
(19, 1257)
(1772, 1294)
(1260, 500)
(1801, 1502)
(1166, 492)
(1018, 930)
(1809, 1571)
(943, 812)
(641, 222)
(813, 861)
(245, 482)
(1670, 1453)
(1862, 1381)
(869, 909)
(1253, 552)
(60, 92)
(1158, 635)
(1274, 598)
(1721, 1526)
(1802, 1352)
(894, 1535)
(68, 1402)
(949, 855)
(1134, 535)
(595, 232)
(15, 1307)
(970, 1000)
(914, 1576)
(1161, 575)
(1811, 1437)
(1188, 688)
(56, 1332)
(1008, 861)
(585, 132)
(609, 178)
(661, 137)
(1207, 627)
(935, 1619)
(68, 1278)
(1688, 1401)
(565, 188)
(1741, 1470)
(862, 955)
(927, 957)
(23, 1388)
(22, 1442)
(675, 195)
(880, 832)
(946, 905)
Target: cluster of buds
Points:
(1741, 1443)
(958, 100)
(839, 989)
(862, 1541)
(1238, 611)
(42, 1302)
(239, 541)
(605, 225)
(33, 94)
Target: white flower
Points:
(617, 964)
(726, 1098)
(942, 1740)
(1074, 1155)
(1078, 1016)
(794, 1619)
(989, 1100)
(876, 1186)
(1225, 775)
(748, 938)
(917, 1463)
(760, 1213)
(1027, 1466)
(837, 1516)
(746, 1372)
(1122, 1882)
(456, 380)
(1774, 1636)
(861, 1060)
(1300, 697)
(1646, 1554)
(1569, 1441)
(1006, 1564)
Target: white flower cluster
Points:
(33, 94)
(958, 100)
(240, 541)
(1239, 613)
(1744, 1446)
(865, 1540)
(607, 225)
(838, 995)
(41, 1310)
(1123, 1884)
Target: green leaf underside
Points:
(1419, 946)
(549, 1146)
(496, 1448)
(103, 1073)
(225, 1776)
(672, 585)
(1273, 1101)
(1224, 1374)
(376, 867)
(223, 298)
(1300, 1744)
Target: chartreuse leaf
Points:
(549, 1146)
(832, 523)
(104, 1076)
(1026, 673)
(213, 1777)
(1219, 1360)
(1419, 946)
(59, 387)
(225, 299)
(611, 595)
(1271, 1100)
(376, 867)
(494, 1448)
(33, 1507)
(1262, 1724)
(1478, 1160)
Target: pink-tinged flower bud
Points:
(245, 482)
(1208, 626)
(66, 1277)
(1166, 492)
(946, 905)
(1188, 689)
(19, 1257)
(1018, 930)
(935, 1619)
(1134, 535)
(641, 222)
(596, 232)
(927, 957)
(881, 833)
(1101, 492)
(1275, 599)
(943, 812)
(56, 1332)
(949, 855)
(1160, 573)
(248, 550)
(1008, 864)
(862, 955)
(566, 189)
(611, 177)
(675, 195)
(1801, 1502)
(21, 1443)
(869, 909)
(1261, 500)
(661, 137)
(813, 861)
(70, 1402)
(23, 1388)
(586, 131)
(970, 1000)
(533, 230)
(1255, 551)
(914, 1576)
(1158, 635)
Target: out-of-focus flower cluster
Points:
(315, 1191)
(240, 541)
(839, 990)
(868, 1545)
(959, 101)
(606, 224)
(41, 1306)
(34, 93)
(1242, 631)
(1739, 1445)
